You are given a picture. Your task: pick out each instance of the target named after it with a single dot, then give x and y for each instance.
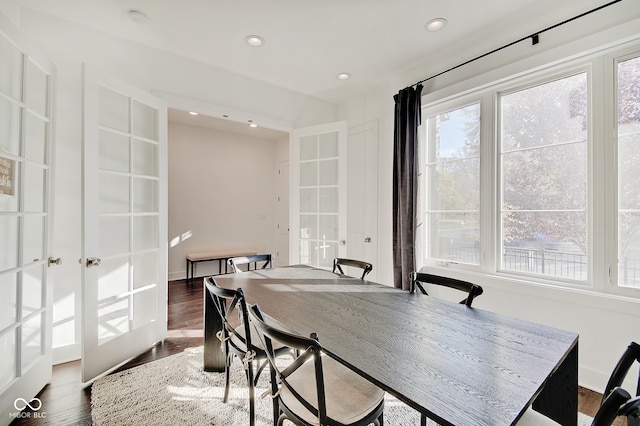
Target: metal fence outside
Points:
(541, 261)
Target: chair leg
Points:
(275, 402)
(423, 420)
(252, 405)
(227, 368)
(276, 411)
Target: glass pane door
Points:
(125, 222)
(25, 302)
(319, 195)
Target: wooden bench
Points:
(221, 256)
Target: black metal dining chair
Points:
(315, 389)
(630, 357)
(339, 262)
(418, 279)
(616, 401)
(259, 261)
(239, 340)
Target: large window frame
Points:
(601, 204)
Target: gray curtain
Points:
(405, 141)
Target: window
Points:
(453, 180)
(520, 176)
(543, 141)
(628, 120)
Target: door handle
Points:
(367, 240)
(54, 261)
(93, 261)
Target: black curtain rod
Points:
(534, 39)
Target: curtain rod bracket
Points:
(535, 39)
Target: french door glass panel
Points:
(10, 116)
(11, 71)
(114, 152)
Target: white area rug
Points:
(175, 390)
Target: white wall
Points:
(606, 324)
(222, 190)
(68, 46)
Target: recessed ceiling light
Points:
(254, 125)
(435, 24)
(254, 40)
(137, 16)
(193, 113)
(344, 76)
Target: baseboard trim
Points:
(67, 353)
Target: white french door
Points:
(362, 205)
(25, 204)
(124, 258)
(318, 194)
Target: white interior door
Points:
(25, 206)
(362, 204)
(282, 239)
(125, 222)
(318, 194)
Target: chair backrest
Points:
(616, 401)
(338, 262)
(307, 348)
(622, 367)
(260, 261)
(226, 300)
(419, 278)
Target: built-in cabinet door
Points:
(318, 194)
(124, 259)
(25, 205)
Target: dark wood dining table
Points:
(455, 364)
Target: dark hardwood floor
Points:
(67, 401)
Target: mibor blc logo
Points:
(34, 405)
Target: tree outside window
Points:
(543, 146)
(628, 102)
(453, 185)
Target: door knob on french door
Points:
(93, 261)
(54, 261)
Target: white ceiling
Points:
(229, 126)
(307, 43)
